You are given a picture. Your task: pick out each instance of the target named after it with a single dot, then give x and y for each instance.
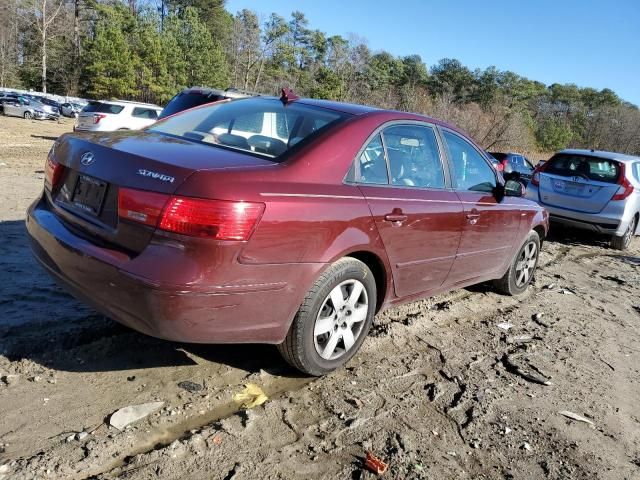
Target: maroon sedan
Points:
(286, 221)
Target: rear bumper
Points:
(259, 311)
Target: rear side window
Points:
(147, 113)
(372, 165)
(102, 107)
(587, 167)
(262, 126)
(470, 170)
(414, 158)
(636, 170)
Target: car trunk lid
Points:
(98, 166)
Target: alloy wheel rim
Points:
(341, 319)
(629, 233)
(526, 263)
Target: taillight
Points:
(195, 217)
(535, 178)
(218, 219)
(139, 206)
(625, 188)
(53, 171)
(97, 117)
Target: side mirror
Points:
(514, 188)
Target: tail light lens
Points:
(139, 206)
(625, 188)
(97, 117)
(195, 217)
(217, 219)
(53, 171)
(535, 178)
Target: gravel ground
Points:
(439, 390)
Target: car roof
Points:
(126, 102)
(356, 109)
(621, 157)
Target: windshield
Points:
(261, 126)
(587, 167)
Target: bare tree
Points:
(8, 42)
(42, 15)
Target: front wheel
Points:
(521, 270)
(333, 320)
(622, 242)
(28, 115)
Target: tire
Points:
(315, 343)
(519, 275)
(622, 242)
(28, 115)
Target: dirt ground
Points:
(439, 390)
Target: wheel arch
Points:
(377, 267)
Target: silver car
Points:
(593, 190)
(29, 108)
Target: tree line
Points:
(148, 50)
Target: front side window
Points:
(470, 170)
(372, 165)
(255, 125)
(414, 158)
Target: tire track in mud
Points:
(448, 410)
(160, 438)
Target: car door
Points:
(401, 175)
(490, 226)
(13, 108)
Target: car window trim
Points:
(477, 149)
(355, 172)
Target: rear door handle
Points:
(395, 217)
(473, 218)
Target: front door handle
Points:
(395, 217)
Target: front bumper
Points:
(256, 312)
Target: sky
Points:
(590, 43)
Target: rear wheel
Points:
(622, 242)
(28, 115)
(521, 270)
(333, 320)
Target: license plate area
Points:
(88, 194)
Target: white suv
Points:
(111, 115)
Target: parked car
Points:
(196, 96)
(520, 165)
(111, 115)
(70, 110)
(285, 221)
(28, 108)
(593, 190)
(55, 106)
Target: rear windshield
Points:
(592, 168)
(102, 107)
(186, 100)
(262, 126)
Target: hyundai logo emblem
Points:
(87, 159)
